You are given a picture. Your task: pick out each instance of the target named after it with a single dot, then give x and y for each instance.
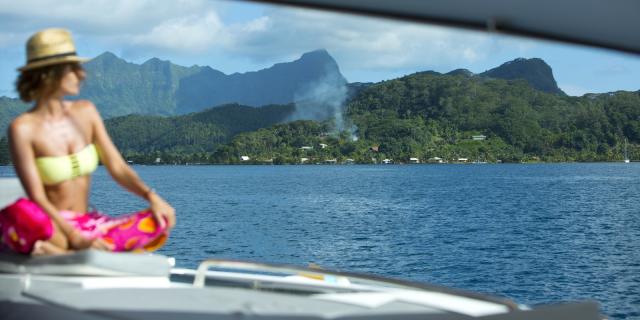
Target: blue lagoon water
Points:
(536, 234)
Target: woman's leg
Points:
(47, 248)
(59, 239)
(135, 232)
(57, 244)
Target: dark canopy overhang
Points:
(613, 24)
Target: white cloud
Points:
(193, 33)
(357, 42)
(195, 28)
(96, 16)
(126, 25)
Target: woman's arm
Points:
(123, 174)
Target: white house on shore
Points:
(244, 158)
(414, 160)
(387, 161)
(478, 137)
(435, 160)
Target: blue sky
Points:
(234, 36)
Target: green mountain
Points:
(191, 137)
(535, 71)
(119, 88)
(428, 115)
(279, 84)
(159, 87)
(460, 72)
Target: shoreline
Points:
(366, 164)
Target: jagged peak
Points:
(523, 61)
(428, 72)
(107, 58)
(318, 53)
(108, 55)
(534, 70)
(209, 70)
(519, 59)
(317, 56)
(461, 71)
(155, 60)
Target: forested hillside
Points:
(189, 138)
(427, 115)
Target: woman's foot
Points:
(46, 248)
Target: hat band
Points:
(73, 53)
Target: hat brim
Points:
(52, 61)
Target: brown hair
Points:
(33, 84)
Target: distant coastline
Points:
(509, 114)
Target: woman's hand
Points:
(78, 241)
(100, 244)
(162, 210)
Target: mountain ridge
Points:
(425, 115)
(124, 97)
(535, 71)
(160, 87)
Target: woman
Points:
(54, 147)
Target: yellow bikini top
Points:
(54, 170)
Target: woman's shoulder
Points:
(25, 120)
(23, 124)
(84, 107)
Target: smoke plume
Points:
(324, 99)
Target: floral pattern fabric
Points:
(24, 222)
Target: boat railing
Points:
(268, 275)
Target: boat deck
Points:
(101, 285)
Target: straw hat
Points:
(49, 47)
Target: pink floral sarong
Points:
(24, 222)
